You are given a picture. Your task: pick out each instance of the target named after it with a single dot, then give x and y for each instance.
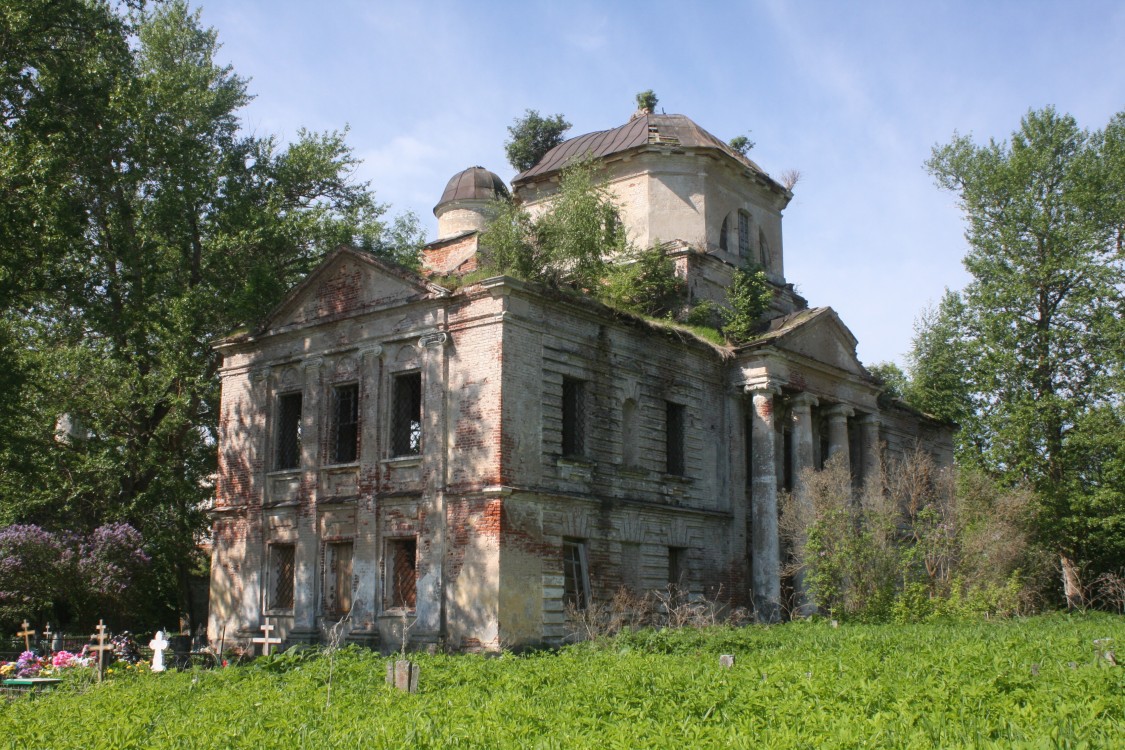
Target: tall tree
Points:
(140, 223)
(530, 137)
(1042, 316)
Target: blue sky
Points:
(852, 94)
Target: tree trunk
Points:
(1072, 584)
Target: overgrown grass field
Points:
(1020, 683)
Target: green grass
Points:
(1027, 683)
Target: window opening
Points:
(345, 423)
(573, 418)
(674, 438)
(576, 580)
(338, 578)
(406, 423)
(724, 230)
(743, 234)
(402, 568)
(763, 249)
(289, 431)
(281, 573)
(677, 567)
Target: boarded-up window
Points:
(674, 438)
(576, 580)
(573, 418)
(402, 573)
(288, 431)
(281, 573)
(337, 578)
(345, 423)
(406, 415)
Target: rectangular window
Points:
(674, 438)
(406, 415)
(288, 431)
(337, 578)
(576, 580)
(743, 234)
(402, 568)
(281, 573)
(345, 423)
(677, 567)
(573, 418)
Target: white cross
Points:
(158, 644)
(47, 636)
(265, 640)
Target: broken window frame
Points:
(576, 574)
(401, 573)
(675, 429)
(287, 455)
(281, 576)
(344, 434)
(406, 414)
(573, 414)
(338, 583)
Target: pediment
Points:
(819, 335)
(348, 282)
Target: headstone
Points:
(26, 633)
(158, 644)
(403, 674)
(101, 648)
(726, 660)
(265, 639)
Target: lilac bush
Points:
(32, 571)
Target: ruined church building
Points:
(473, 461)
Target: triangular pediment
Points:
(348, 282)
(819, 335)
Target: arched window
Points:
(724, 230)
(743, 234)
(763, 249)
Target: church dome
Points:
(472, 184)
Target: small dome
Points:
(473, 184)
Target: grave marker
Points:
(158, 644)
(265, 640)
(47, 637)
(27, 633)
(101, 648)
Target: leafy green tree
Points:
(647, 101)
(532, 136)
(748, 297)
(894, 381)
(1042, 317)
(741, 144)
(140, 224)
(645, 282)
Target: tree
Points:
(532, 136)
(1042, 317)
(647, 101)
(139, 225)
(748, 297)
(741, 144)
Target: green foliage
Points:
(748, 298)
(741, 144)
(140, 224)
(891, 377)
(645, 282)
(1021, 683)
(646, 100)
(530, 137)
(1030, 357)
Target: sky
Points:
(853, 95)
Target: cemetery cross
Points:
(265, 640)
(101, 648)
(27, 633)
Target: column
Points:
(801, 459)
(838, 432)
(765, 552)
(308, 541)
(872, 449)
(428, 626)
(261, 449)
(365, 556)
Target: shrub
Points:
(645, 282)
(748, 297)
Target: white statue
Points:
(158, 644)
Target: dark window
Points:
(573, 418)
(406, 421)
(345, 423)
(289, 431)
(337, 578)
(677, 567)
(743, 234)
(402, 566)
(724, 230)
(763, 249)
(281, 573)
(576, 582)
(674, 438)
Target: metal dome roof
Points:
(473, 184)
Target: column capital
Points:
(434, 340)
(313, 362)
(871, 418)
(839, 411)
(803, 400)
(373, 352)
(260, 374)
(764, 390)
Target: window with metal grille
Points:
(345, 423)
(573, 418)
(337, 578)
(402, 566)
(674, 438)
(576, 580)
(406, 415)
(743, 234)
(281, 573)
(288, 431)
(677, 567)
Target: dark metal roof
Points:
(642, 130)
(474, 183)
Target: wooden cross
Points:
(265, 640)
(47, 636)
(26, 636)
(101, 648)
